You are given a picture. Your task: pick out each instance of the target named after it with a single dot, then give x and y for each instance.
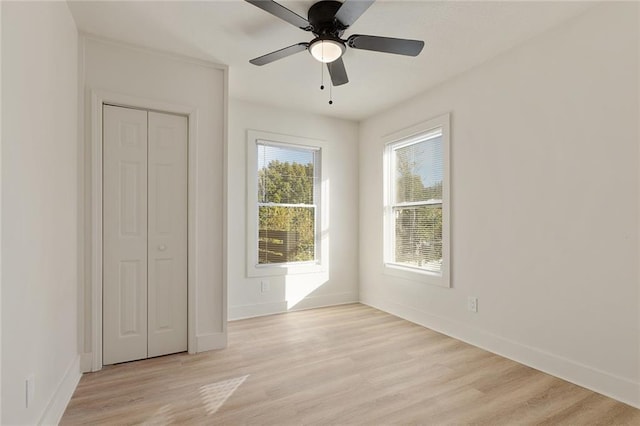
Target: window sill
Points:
(416, 274)
(270, 270)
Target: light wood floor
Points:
(340, 365)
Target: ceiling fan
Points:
(328, 20)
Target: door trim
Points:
(98, 98)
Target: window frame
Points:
(254, 268)
(406, 137)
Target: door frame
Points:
(98, 99)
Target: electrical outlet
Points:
(30, 390)
(264, 286)
(472, 304)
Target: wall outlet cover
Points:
(472, 304)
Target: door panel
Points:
(167, 234)
(124, 234)
(130, 187)
(162, 269)
(130, 282)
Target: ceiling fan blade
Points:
(279, 11)
(399, 46)
(279, 54)
(338, 72)
(351, 10)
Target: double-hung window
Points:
(284, 191)
(417, 203)
(286, 203)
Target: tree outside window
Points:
(416, 202)
(287, 203)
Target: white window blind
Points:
(416, 203)
(287, 203)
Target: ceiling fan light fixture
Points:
(326, 49)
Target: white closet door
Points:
(167, 238)
(124, 234)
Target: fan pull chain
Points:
(322, 83)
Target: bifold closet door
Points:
(167, 250)
(144, 234)
(124, 235)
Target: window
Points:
(417, 203)
(284, 205)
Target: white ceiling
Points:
(458, 36)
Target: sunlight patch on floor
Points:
(215, 394)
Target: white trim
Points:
(322, 246)
(62, 395)
(411, 273)
(210, 341)
(96, 230)
(86, 362)
(192, 234)
(82, 255)
(225, 203)
(422, 131)
(257, 310)
(619, 388)
(98, 98)
(413, 134)
(279, 307)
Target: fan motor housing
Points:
(322, 17)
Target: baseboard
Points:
(211, 341)
(86, 362)
(256, 310)
(271, 308)
(61, 397)
(332, 299)
(616, 387)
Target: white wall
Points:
(544, 204)
(338, 284)
(165, 79)
(39, 209)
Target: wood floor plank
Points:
(348, 364)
